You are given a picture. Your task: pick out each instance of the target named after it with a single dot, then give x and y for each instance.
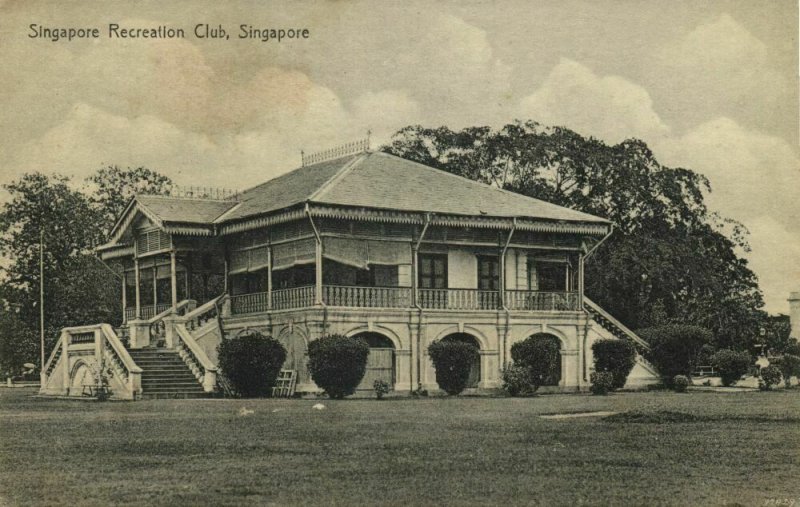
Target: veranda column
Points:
(318, 271)
(155, 287)
(137, 279)
(173, 275)
(269, 277)
(187, 279)
(124, 297)
(581, 281)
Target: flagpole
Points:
(41, 293)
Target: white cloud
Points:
(722, 66)
(608, 107)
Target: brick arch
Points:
(388, 333)
(81, 365)
(562, 338)
(483, 341)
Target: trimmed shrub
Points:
(453, 362)
(602, 382)
(616, 357)
(381, 387)
(516, 380)
(789, 364)
(770, 376)
(541, 357)
(251, 363)
(680, 383)
(674, 349)
(731, 365)
(337, 363)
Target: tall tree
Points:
(671, 261)
(110, 190)
(79, 287)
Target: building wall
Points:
(412, 331)
(794, 314)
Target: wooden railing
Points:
(296, 297)
(400, 297)
(249, 303)
(542, 301)
(147, 311)
(367, 297)
(459, 299)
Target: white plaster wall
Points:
(794, 314)
(462, 269)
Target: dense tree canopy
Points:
(670, 261)
(79, 287)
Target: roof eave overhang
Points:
(598, 228)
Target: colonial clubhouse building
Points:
(360, 243)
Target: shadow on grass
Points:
(667, 416)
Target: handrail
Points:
(168, 311)
(594, 307)
(119, 349)
(196, 350)
(54, 353)
(201, 309)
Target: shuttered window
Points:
(152, 241)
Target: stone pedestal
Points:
(140, 333)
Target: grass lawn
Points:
(699, 448)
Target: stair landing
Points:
(165, 375)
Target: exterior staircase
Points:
(166, 375)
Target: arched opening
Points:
(555, 377)
(81, 376)
(296, 355)
(475, 371)
(380, 362)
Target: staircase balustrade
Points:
(111, 352)
(542, 301)
(195, 358)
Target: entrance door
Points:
(380, 365)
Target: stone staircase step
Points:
(165, 375)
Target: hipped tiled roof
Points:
(184, 210)
(371, 180)
(383, 181)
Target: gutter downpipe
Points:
(583, 309)
(503, 358)
(415, 294)
(318, 264)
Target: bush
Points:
(602, 382)
(770, 376)
(516, 380)
(381, 387)
(453, 362)
(616, 357)
(251, 363)
(731, 365)
(541, 357)
(680, 383)
(789, 365)
(674, 349)
(337, 364)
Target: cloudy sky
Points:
(708, 85)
